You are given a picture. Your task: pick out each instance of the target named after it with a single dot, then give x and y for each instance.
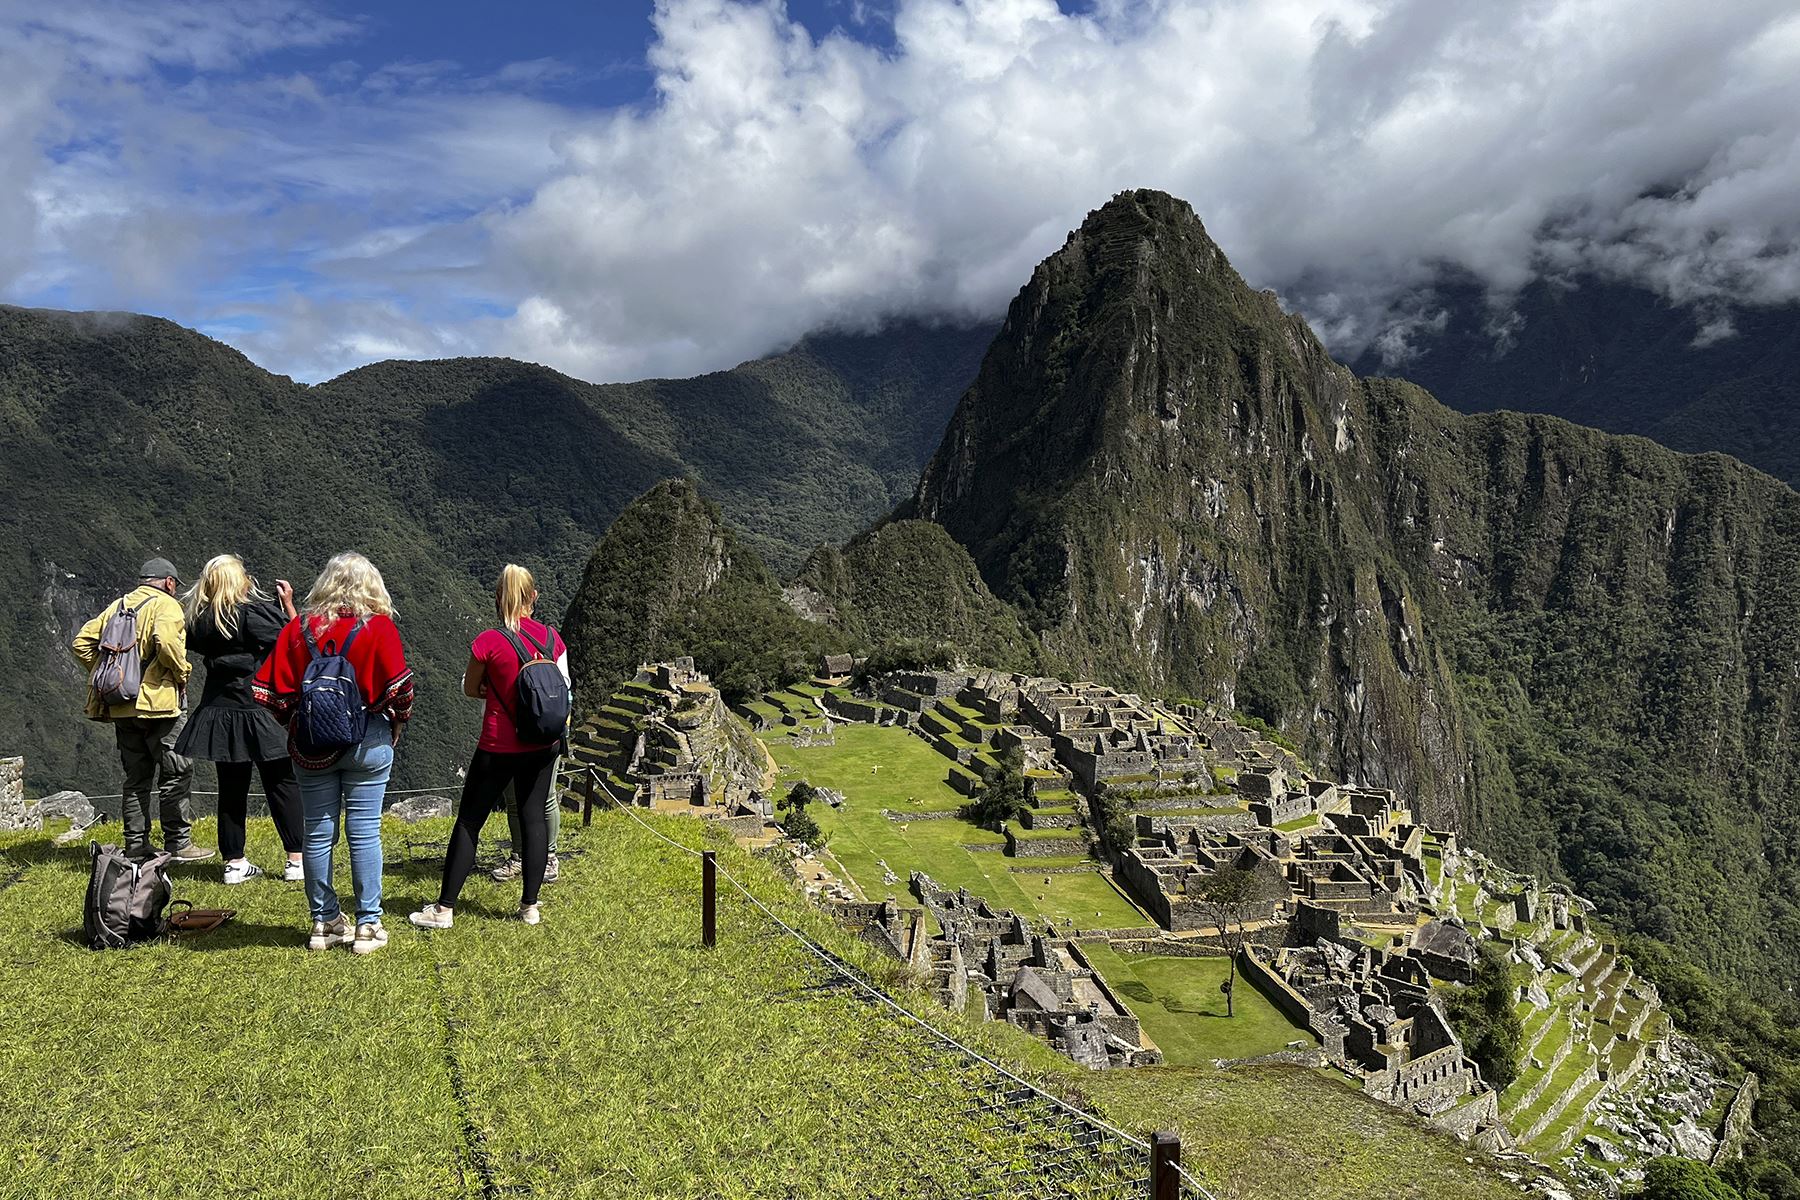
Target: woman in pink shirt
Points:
(501, 757)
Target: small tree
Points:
(1229, 897)
(1684, 1179)
(1002, 796)
(1485, 1021)
(800, 824)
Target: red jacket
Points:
(377, 656)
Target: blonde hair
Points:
(349, 581)
(222, 589)
(514, 594)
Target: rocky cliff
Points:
(1578, 647)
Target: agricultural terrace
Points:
(883, 767)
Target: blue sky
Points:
(622, 190)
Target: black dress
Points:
(228, 725)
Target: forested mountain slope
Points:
(1620, 358)
(1579, 647)
(128, 436)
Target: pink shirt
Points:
(496, 653)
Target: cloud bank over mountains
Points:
(918, 162)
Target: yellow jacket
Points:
(162, 643)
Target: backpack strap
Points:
(349, 641)
(312, 642)
(519, 647)
(548, 649)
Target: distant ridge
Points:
(128, 435)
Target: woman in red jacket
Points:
(347, 613)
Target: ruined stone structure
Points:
(12, 794)
(1374, 1014)
(1041, 984)
(666, 740)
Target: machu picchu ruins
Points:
(666, 740)
(1364, 919)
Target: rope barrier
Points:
(839, 967)
(264, 795)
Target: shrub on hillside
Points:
(1484, 1018)
(1002, 796)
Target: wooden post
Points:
(587, 799)
(1165, 1157)
(709, 894)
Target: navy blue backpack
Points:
(541, 700)
(333, 714)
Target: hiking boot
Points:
(242, 872)
(335, 932)
(190, 853)
(433, 916)
(528, 913)
(507, 871)
(369, 939)
(293, 872)
(550, 871)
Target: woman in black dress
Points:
(232, 626)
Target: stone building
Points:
(1041, 984)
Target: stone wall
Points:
(12, 794)
(1737, 1122)
(1279, 991)
(1462, 1121)
(1046, 847)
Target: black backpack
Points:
(333, 714)
(125, 898)
(541, 700)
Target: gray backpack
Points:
(125, 898)
(119, 672)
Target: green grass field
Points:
(602, 1054)
(911, 780)
(1179, 1004)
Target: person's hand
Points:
(396, 727)
(284, 592)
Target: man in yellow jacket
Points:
(147, 726)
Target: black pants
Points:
(283, 793)
(147, 752)
(530, 774)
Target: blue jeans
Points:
(354, 786)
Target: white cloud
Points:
(1342, 151)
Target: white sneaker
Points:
(369, 939)
(241, 872)
(528, 913)
(433, 916)
(336, 932)
(294, 872)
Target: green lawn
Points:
(1179, 1004)
(602, 1054)
(1287, 1132)
(911, 779)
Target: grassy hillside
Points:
(129, 436)
(604, 1053)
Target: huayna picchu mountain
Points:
(1578, 648)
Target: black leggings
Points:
(283, 793)
(489, 772)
